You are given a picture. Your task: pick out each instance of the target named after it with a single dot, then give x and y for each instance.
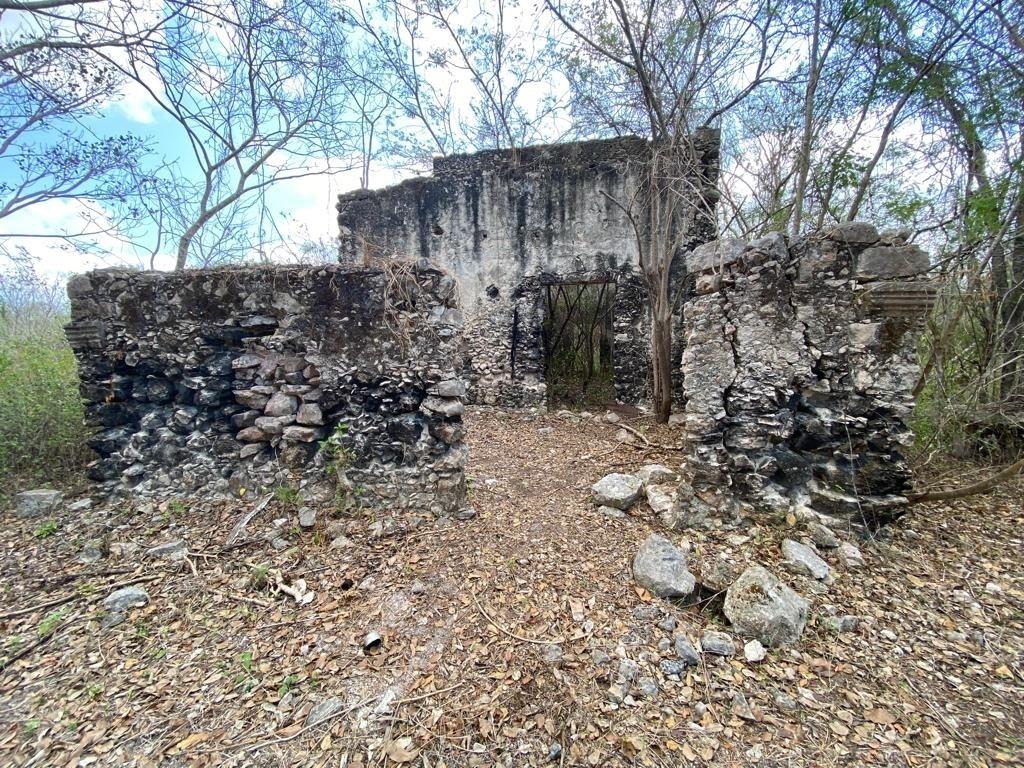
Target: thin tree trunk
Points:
(804, 160)
(661, 359)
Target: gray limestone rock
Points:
(850, 556)
(307, 517)
(92, 551)
(660, 567)
(759, 605)
(685, 651)
(717, 643)
(310, 415)
(892, 261)
(324, 710)
(854, 233)
(42, 501)
(281, 404)
(657, 474)
(617, 490)
(823, 536)
(444, 406)
(612, 512)
(172, 550)
(660, 498)
(803, 560)
(302, 434)
(125, 598)
(715, 255)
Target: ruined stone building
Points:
(509, 224)
(794, 360)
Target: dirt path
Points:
(502, 634)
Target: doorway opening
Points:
(578, 335)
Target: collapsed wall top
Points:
(215, 380)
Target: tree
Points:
(661, 69)
(258, 90)
(51, 83)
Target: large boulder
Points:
(43, 501)
(660, 568)
(617, 490)
(761, 606)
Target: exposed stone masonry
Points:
(222, 379)
(798, 368)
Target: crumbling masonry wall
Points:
(799, 365)
(506, 223)
(216, 380)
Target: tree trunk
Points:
(661, 359)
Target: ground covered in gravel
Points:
(375, 640)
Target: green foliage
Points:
(577, 341)
(42, 432)
(287, 494)
(47, 529)
(50, 622)
(289, 682)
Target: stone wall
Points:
(798, 369)
(216, 380)
(505, 223)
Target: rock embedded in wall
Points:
(217, 380)
(798, 367)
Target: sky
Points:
(303, 209)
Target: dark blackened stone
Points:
(447, 432)
(406, 428)
(211, 396)
(159, 390)
(791, 463)
(245, 419)
(219, 365)
(102, 471)
(183, 395)
(109, 440)
(110, 414)
(225, 445)
(169, 454)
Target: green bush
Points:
(42, 435)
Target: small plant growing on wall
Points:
(339, 456)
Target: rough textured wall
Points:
(798, 371)
(220, 379)
(505, 223)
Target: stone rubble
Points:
(660, 567)
(759, 605)
(802, 560)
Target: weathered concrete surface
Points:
(507, 224)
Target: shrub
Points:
(42, 432)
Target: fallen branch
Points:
(238, 527)
(40, 641)
(73, 596)
(970, 490)
(509, 632)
